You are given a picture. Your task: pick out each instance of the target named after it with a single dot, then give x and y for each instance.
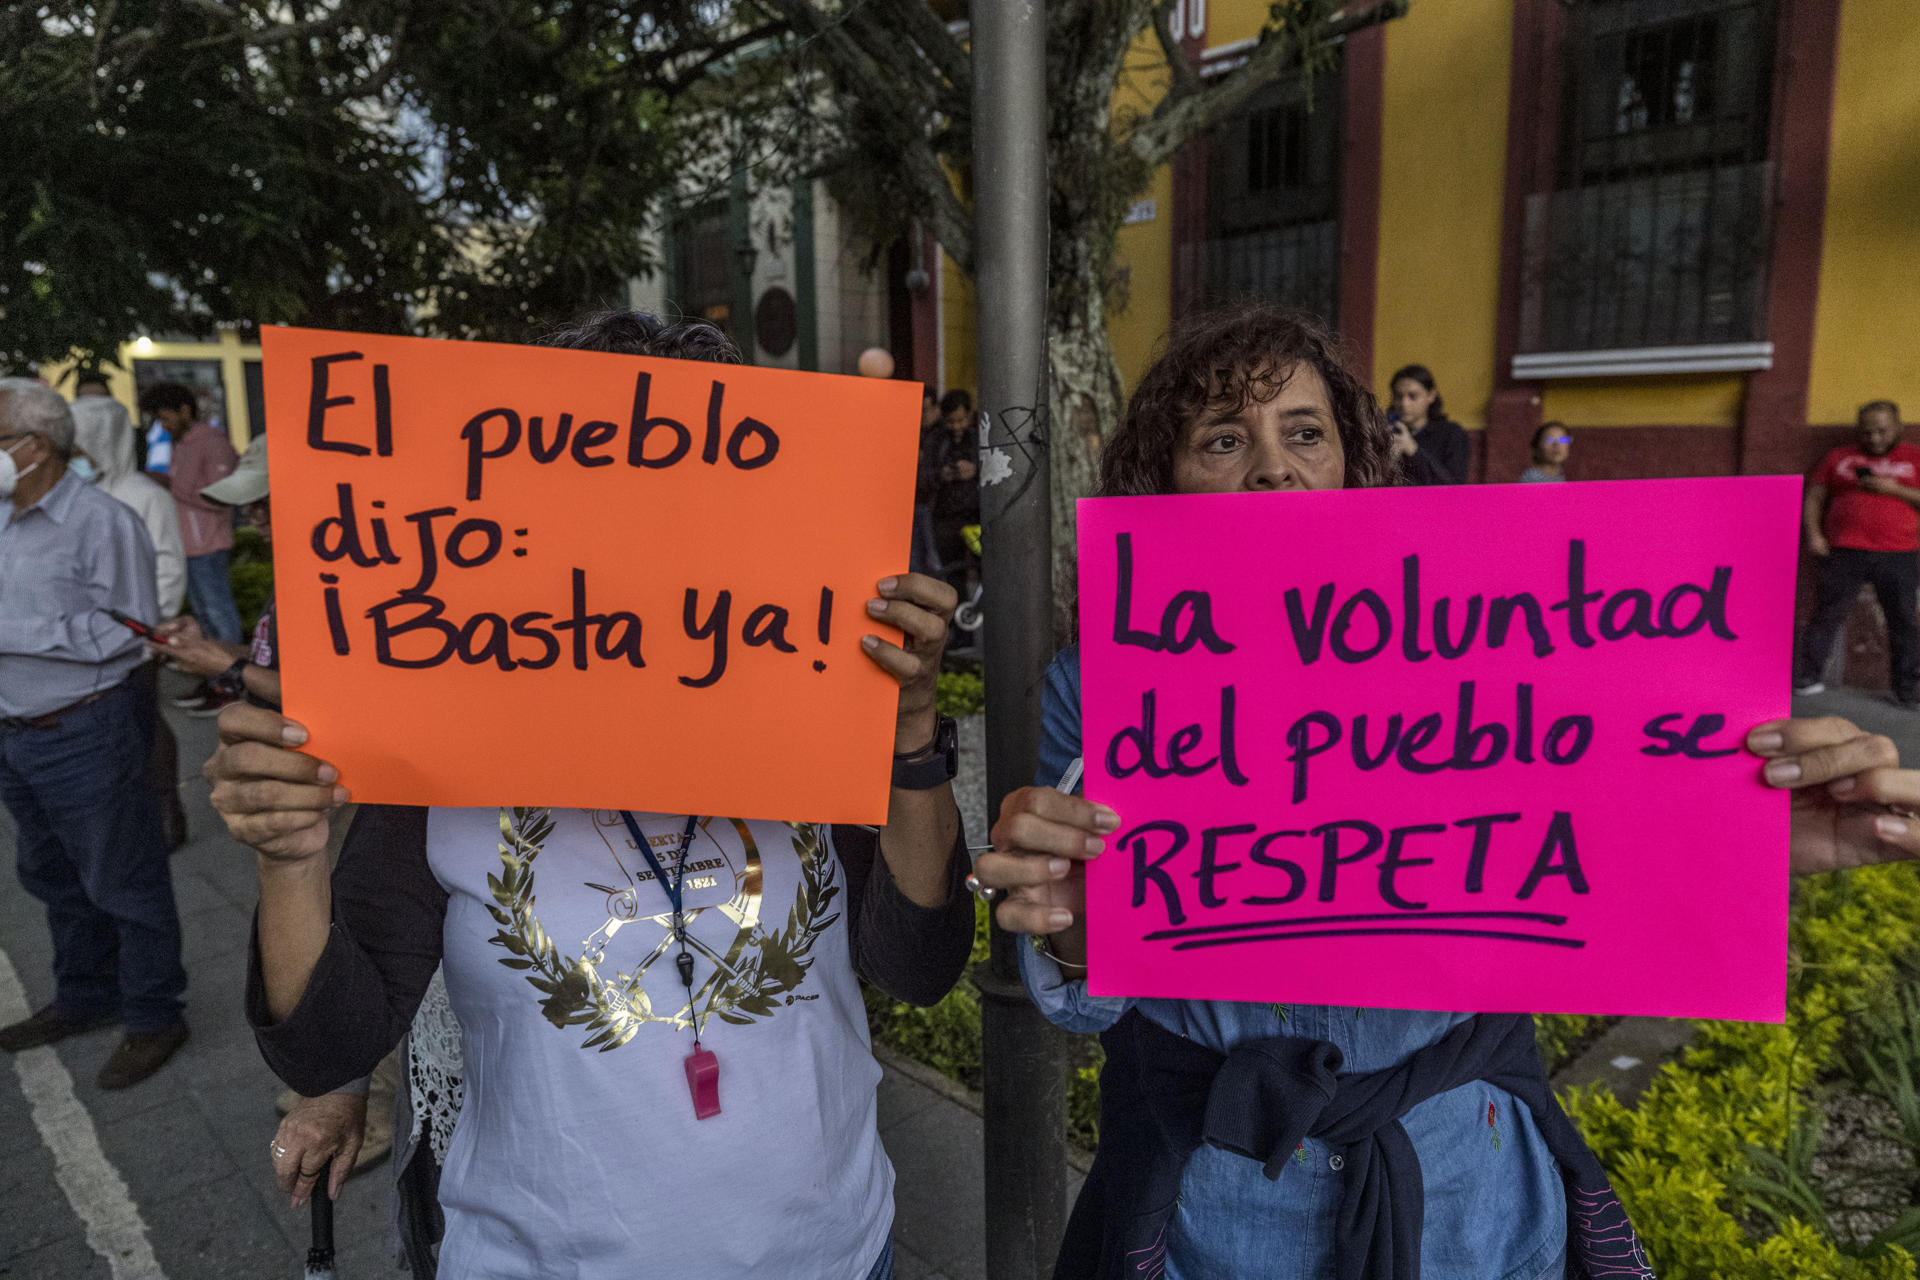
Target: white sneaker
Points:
(1808, 690)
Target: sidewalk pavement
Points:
(172, 1175)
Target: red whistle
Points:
(703, 1082)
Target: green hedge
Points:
(1712, 1162)
(250, 569)
(961, 692)
(946, 1037)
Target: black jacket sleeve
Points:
(1443, 455)
(380, 955)
(911, 952)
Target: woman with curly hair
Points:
(1262, 1141)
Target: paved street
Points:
(171, 1178)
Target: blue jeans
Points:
(883, 1266)
(211, 594)
(92, 849)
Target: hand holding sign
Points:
(1853, 806)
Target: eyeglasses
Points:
(1556, 439)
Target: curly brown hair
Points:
(1223, 359)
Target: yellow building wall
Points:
(232, 354)
(959, 353)
(1142, 316)
(1140, 312)
(1443, 170)
(1230, 21)
(1669, 400)
(1866, 336)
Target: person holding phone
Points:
(72, 750)
(1432, 447)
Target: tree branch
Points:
(1185, 82)
(1177, 120)
(680, 77)
(925, 29)
(860, 75)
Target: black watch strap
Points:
(933, 767)
(232, 681)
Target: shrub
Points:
(250, 570)
(1699, 1162)
(961, 692)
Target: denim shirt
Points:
(1495, 1204)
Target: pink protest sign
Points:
(1451, 748)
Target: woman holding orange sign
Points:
(1266, 1141)
(666, 1064)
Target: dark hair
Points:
(91, 378)
(956, 399)
(1876, 406)
(635, 333)
(1424, 376)
(1543, 428)
(1227, 358)
(928, 393)
(169, 395)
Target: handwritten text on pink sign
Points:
(1460, 748)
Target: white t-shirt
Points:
(577, 1154)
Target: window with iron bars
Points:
(1656, 233)
(1273, 202)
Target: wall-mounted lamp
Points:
(745, 256)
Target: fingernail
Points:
(1105, 819)
(1783, 773)
(1890, 828)
(877, 607)
(1059, 917)
(1095, 844)
(1057, 867)
(327, 773)
(1765, 741)
(292, 734)
(870, 643)
(340, 795)
(1841, 786)
(888, 584)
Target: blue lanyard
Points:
(684, 961)
(672, 887)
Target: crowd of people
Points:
(559, 1107)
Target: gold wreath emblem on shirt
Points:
(576, 993)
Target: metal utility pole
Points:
(1023, 1063)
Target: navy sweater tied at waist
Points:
(1162, 1095)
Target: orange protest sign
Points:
(524, 576)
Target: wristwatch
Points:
(932, 765)
(229, 683)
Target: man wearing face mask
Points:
(72, 753)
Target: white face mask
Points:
(81, 465)
(10, 473)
